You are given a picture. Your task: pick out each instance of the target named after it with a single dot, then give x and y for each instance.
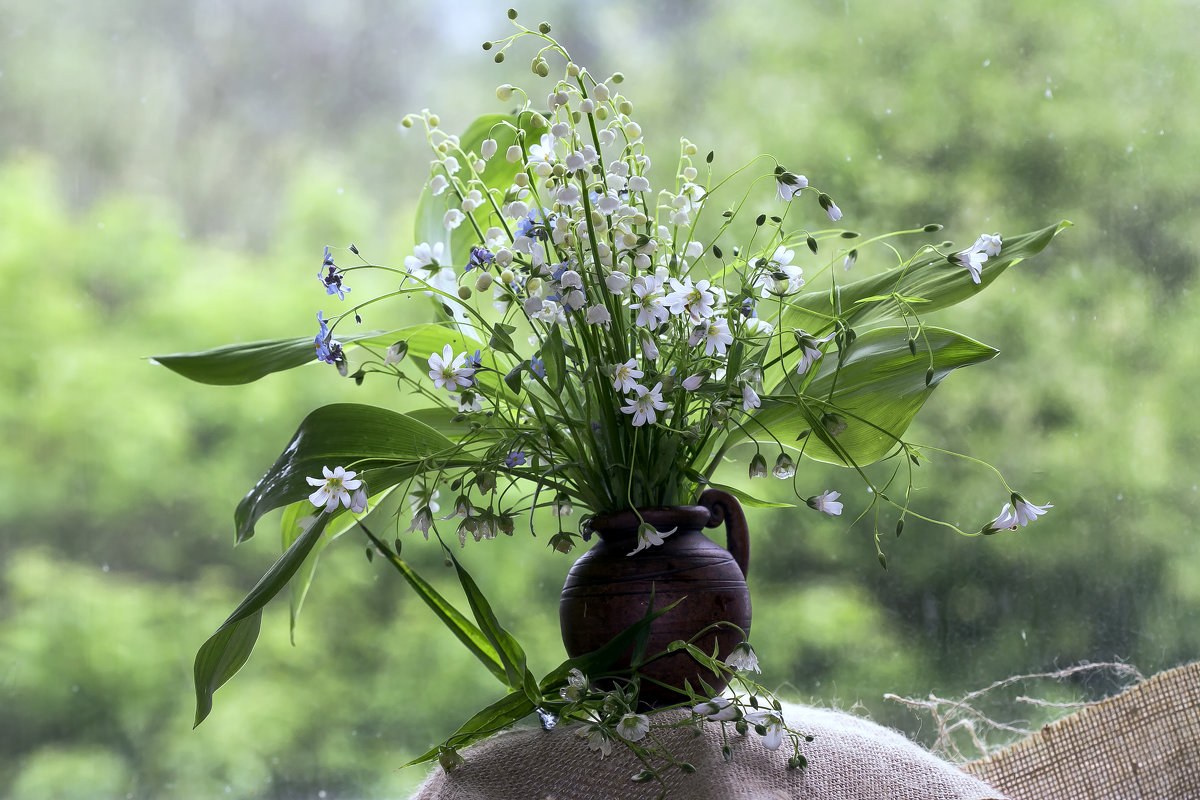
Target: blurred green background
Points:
(171, 171)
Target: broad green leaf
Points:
(938, 283)
(227, 650)
(383, 446)
(451, 617)
(879, 390)
(498, 173)
(235, 364)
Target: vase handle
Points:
(724, 507)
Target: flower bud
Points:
(487, 148)
(513, 154)
(464, 292)
(835, 424)
(784, 467)
(758, 466)
(483, 282)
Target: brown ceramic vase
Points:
(608, 590)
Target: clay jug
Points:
(608, 590)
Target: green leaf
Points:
(511, 654)
(555, 360)
(879, 390)
(383, 446)
(235, 364)
(748, 499)
(293, 523)
(226, 651)
(498, 172)
(499, 715)
(451, 617)
(938, 283)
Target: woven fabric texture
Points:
(1142, 744)
(849, 759)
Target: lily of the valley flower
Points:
(450, 372)
(743, 658)
(770, 725)
(650, 536)
(826, 502)
(335, 487)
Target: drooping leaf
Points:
(235, 364)
(879, 390)
(499, 715)
(466, 632)
(226, 651)
(510, 652)
(931, 278)
(554, 360)
(384, 447)
(749, 500)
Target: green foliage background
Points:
(171, 172)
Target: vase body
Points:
(608, 590)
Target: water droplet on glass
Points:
(340, 190)
(987, 62)
(104, 567)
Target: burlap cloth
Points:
(849, 759)
(1143, 744)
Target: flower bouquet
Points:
(607, 337)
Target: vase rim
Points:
(686, 516)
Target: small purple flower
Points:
(515, 459)
(333, 280)
(329, 351)
(749, 308)
(475, 361)
(480, 257)
(322, 340)
(535, 224)
(537, 366)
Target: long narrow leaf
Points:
(511, 708)
(459, 625)
(511, 654)
(938, 283)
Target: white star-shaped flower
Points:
(826, 502)
(743, 658)
(718, 709)
(973, 260)
(335, 487)
(450, 372)
(717, 337)
(626, 376)
(650, 536)
(646, 405)
(772, 724)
